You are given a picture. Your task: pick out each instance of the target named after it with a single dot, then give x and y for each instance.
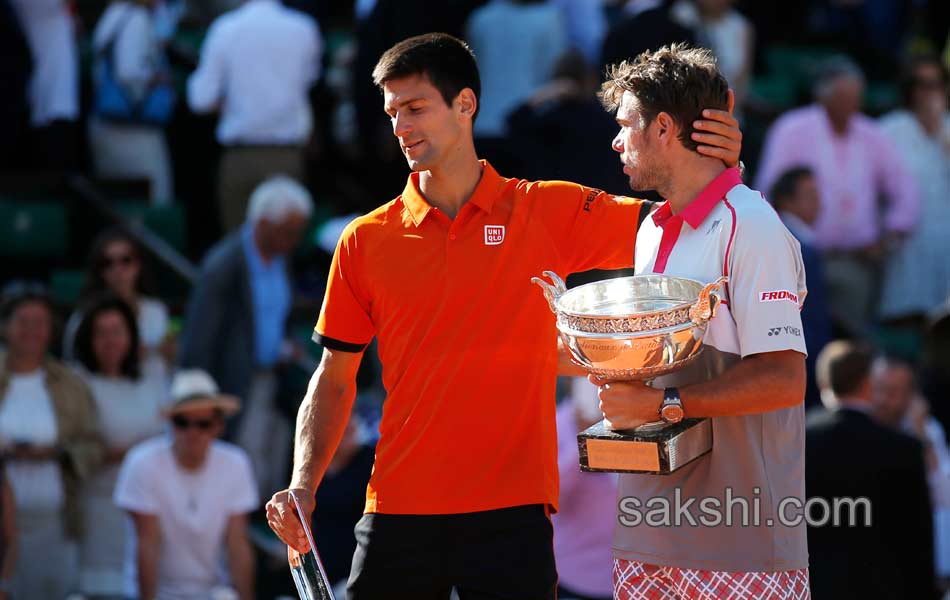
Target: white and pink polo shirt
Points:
(730, 230)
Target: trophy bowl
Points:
(630, 328)
(636, 327)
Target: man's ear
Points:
(467, 102)
(665, 129)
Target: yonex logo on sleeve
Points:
(778, 295)
(494, 235)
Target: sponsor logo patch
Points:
(494, 235)
(778, 295)
(591, 196)
(787, 329)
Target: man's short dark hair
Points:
(447, 61)
(678, 80)
(843, 366)
(786, 185)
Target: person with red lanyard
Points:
(750, 378)
(465, 476)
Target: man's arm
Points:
(240, 556)
(147, 538)
(757, 384)
(207, 82)
(8, 506)
(321, 421)
(565, 365)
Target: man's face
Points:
(426, 127)
(893, 390)
(194, 430)
(637, 152)
(806, 199)
(844, 99)
(282, 237)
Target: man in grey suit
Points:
(236, 317)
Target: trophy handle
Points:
(551, 292)
(709, 300)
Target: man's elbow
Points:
(793, 376)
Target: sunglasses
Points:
(110, 261)
(183, 423)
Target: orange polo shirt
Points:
(467, 342)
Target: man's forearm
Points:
(565, 364)
(757, 384)
(321, 421)
(147, 563)
(241, 565)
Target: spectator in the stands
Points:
(16, 68)
(917, 276)
(725, 31)
(563, 132)
(54, 84)
(854, 165)
(236, 318)
(795, 198)
(129, 397)
(189, 496)
(50, 441)
(117, 264)
(584, 524)
(258, 63)
(125, 42)
(647, 25)
(517, 43)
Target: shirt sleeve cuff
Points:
(334, 344)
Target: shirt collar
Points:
(483, 197)
(699, 208)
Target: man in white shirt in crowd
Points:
(54, 84)
(189, 496)
(257, 66)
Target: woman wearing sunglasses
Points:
(116, 265)
(129, 397)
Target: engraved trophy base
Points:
(652, 448)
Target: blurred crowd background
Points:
(174, 175)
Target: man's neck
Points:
(187, 463)
(449, 186)
(21, 364)
(257, 235)
(692, 175)
(839, 127)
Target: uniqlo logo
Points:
(494, 234)
(777, 296)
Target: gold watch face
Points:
(672, 413)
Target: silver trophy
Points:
(636, 328)
(307, 569)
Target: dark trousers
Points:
(498, 554)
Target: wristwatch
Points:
(671, 411)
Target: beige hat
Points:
(195, 389)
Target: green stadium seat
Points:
(33, 229)
(65, 286)
(167, 222)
